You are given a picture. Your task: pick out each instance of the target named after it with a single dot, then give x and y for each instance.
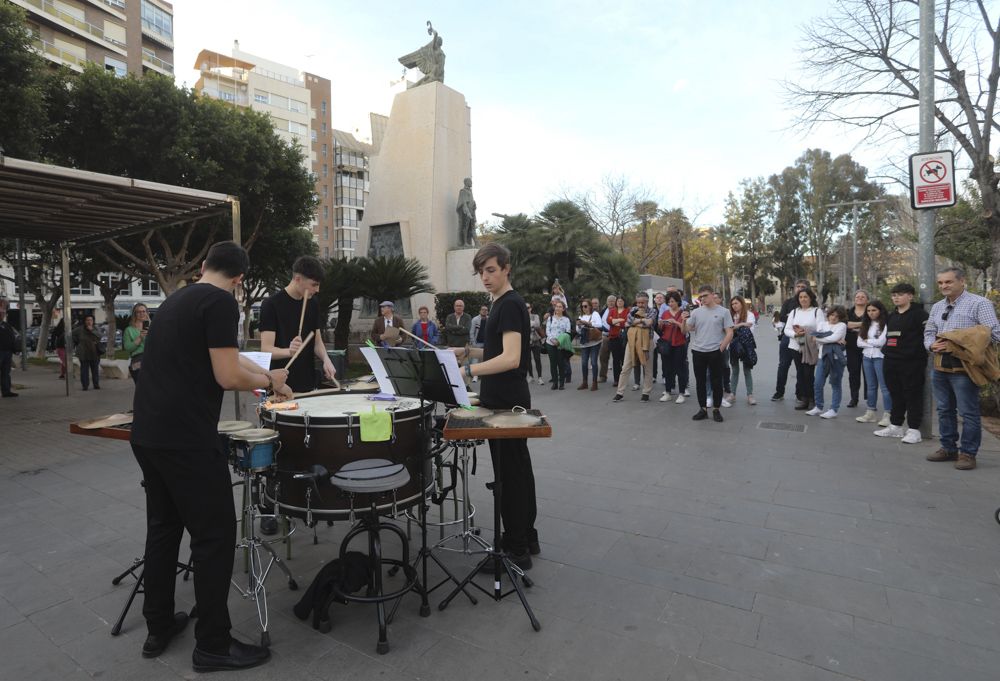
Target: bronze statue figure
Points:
(466, 210)
(429, 59)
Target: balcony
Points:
(153, 32)
(229, 97)
(115, 7)
(59, 56)
(150, 59)
(45, 9)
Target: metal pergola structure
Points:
(76, 207)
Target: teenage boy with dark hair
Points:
(191, 357)
(905, 365)
(504, 385)
(280, 316)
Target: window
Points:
(157, 20)
(325, 170)
(279, 102)
(324, 149)
(297, 128)
(296, 106)
(326, 212)
(324, 127)
(261, 97)
(82, 289)
(108, 279)
(326, 233)
(312, 134)
(324, 107)
(119, 68)
(150, 287)
(326, 191)
(326, 251)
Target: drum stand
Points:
(501, 564)
(139, 564)
(258, 571)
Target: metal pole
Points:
(19, 282)
(854, 250)
(67, 319)
(925, 218)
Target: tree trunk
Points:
(341, 335)
(109, 313)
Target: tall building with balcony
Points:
(299, 106)
(124, 36)
(351, 183)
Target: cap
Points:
(387, 303)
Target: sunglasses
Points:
(947, 311)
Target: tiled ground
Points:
(671, 550)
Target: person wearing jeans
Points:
(786, 356)
(955, 393)
(711, 329)
(830, 336)
(743, 348)
(871, 339)
(589, 349)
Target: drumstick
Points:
(299, 351)
(302, 317)
(432, 347)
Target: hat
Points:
(387, 303)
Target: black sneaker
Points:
(777, 397)
(534, 548)
(644, 398)
(852, 404)
(618, 397)
(700, 416)
(156, 643)
(717, 416)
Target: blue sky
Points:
(681, 97)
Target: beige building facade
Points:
(123, 36)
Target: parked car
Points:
(31, 337)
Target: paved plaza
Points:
(670, 550)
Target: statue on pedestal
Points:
(429, 59)
(466, 210)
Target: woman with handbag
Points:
(800, 322)
(744, 346)
(588, 326)
(134, 339)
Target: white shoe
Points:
(729, 397)
(475, 379)
(815, 411)
(912, 436)
(665, 397)
(680, 399)
(541, 381)
(726, 402)
(708, 402)
(751, 401)
(892, 431)
(635, 386)
(884, 421)
(867, 417)
(687, 393)
(830, 414)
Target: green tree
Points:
(393, 278)
(788, 247)
(271, 266)
(747, 216)
(961, 232)
(341, 286)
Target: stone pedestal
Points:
(415, 179)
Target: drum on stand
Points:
(225, 430)
(254, 449)
(325, 430)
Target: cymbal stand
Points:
(258, 571)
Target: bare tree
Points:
(861, 70)
(611, 208)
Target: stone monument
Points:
(425, 154)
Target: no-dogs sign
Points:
(932, 180)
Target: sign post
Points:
(932, 180)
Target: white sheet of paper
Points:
(378, 369)
(261, 359)
(451, 368)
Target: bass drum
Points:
(325, 430)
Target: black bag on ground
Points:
(349, 575)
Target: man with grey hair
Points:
(954, 391)
(785, 356)
(640, 343)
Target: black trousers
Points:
(536, 356)
(518, 507)
(557, 364)
(805, 377)
(785, 359)
(189, 489)
(90, 368)
(617, 346)
(905, 379)
(855, 375)
(705, 363)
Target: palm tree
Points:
(341, 285)
(394, 278)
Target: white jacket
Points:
(808, 319)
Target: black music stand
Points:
(418, 373)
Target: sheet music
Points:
(261, 359)
(378, 369)
(454, 373)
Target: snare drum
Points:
(255, 449)
(326, 430)
(226, 429)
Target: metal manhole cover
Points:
(791, 427)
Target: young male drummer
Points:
(191, 358)
(280, 316)
(504, 385)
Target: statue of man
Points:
(466, 209)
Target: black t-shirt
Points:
(177, 402)
(510, 388)
(280, 313)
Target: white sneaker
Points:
(830, 414)
(884, 421)
(815, 411)
(708, 402)
(892, 431)
(687, 393)
(680, 399)
(665, 397)
(912, 436)
(541, 381)
(751, 401)
(635, 386)
(867, 417)
(475, 379)
(726, 402)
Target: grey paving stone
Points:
(759, 664)
(712, 619)
(66, 621)
(951, 620)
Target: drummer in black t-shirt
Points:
(279, 325)
(191, 358)
(504, 385)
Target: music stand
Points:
(420, 374)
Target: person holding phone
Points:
(134, 339)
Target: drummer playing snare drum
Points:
(504, 384)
